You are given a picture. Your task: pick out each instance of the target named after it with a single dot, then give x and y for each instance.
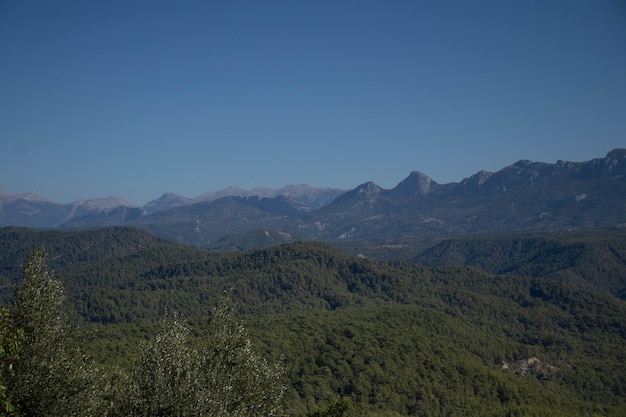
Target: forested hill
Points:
(123, 274)
(595, 260)
(398, 338)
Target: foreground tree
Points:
(51, 374)
(168, 380)
(52, 377)
(223, 378)
(247, 385)
(10, 340)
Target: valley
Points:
(396, 337)
(503, 294)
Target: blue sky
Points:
(138, 98)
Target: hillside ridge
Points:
(524, 196)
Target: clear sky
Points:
(138, 98)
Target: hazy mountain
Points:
(166, 202)
(97, 205)
(306, 194)
(525, 196)
(416, 184)
(365, 195)
(207, 222)
(226, 192)
(111, 217)
(29, 196)
(103, 204)
(309, 195)
(31, 210)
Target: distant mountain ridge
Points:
(33, 210)
(311, 196)
(524, 196)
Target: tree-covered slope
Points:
(414, 360)
(596, 260)
(398, 360)
(398, 338)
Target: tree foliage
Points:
(224, 378)
(52, 376)
(167, 380)
(248, 385)
(342, 407)
(11, 339)
(395, 338)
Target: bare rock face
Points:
(311, 196)
(165, 202)
(365, 194)
(416, 184)
(531, 368)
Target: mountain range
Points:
(525, 196)
(482, 307)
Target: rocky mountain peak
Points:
(617, 153)
(417, 183)
(368, 189)
(29, 196)
(536, 195)
(366, 192)
(478, 179)
(165, 202)
(307, 194)
(523, 163)
(523, 172)
(104, 204)
(616, 161)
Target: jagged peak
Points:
(417, 183)
(29, 196)
(478, 179)
(419, 175)
(369, 187)
(170, 195)
(367, 191)
(523, 163)
(561, 164)
(226, 192)
(617, 153)
(105, 202)
(166, 201)
(104, 205)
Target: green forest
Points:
(489, 325)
